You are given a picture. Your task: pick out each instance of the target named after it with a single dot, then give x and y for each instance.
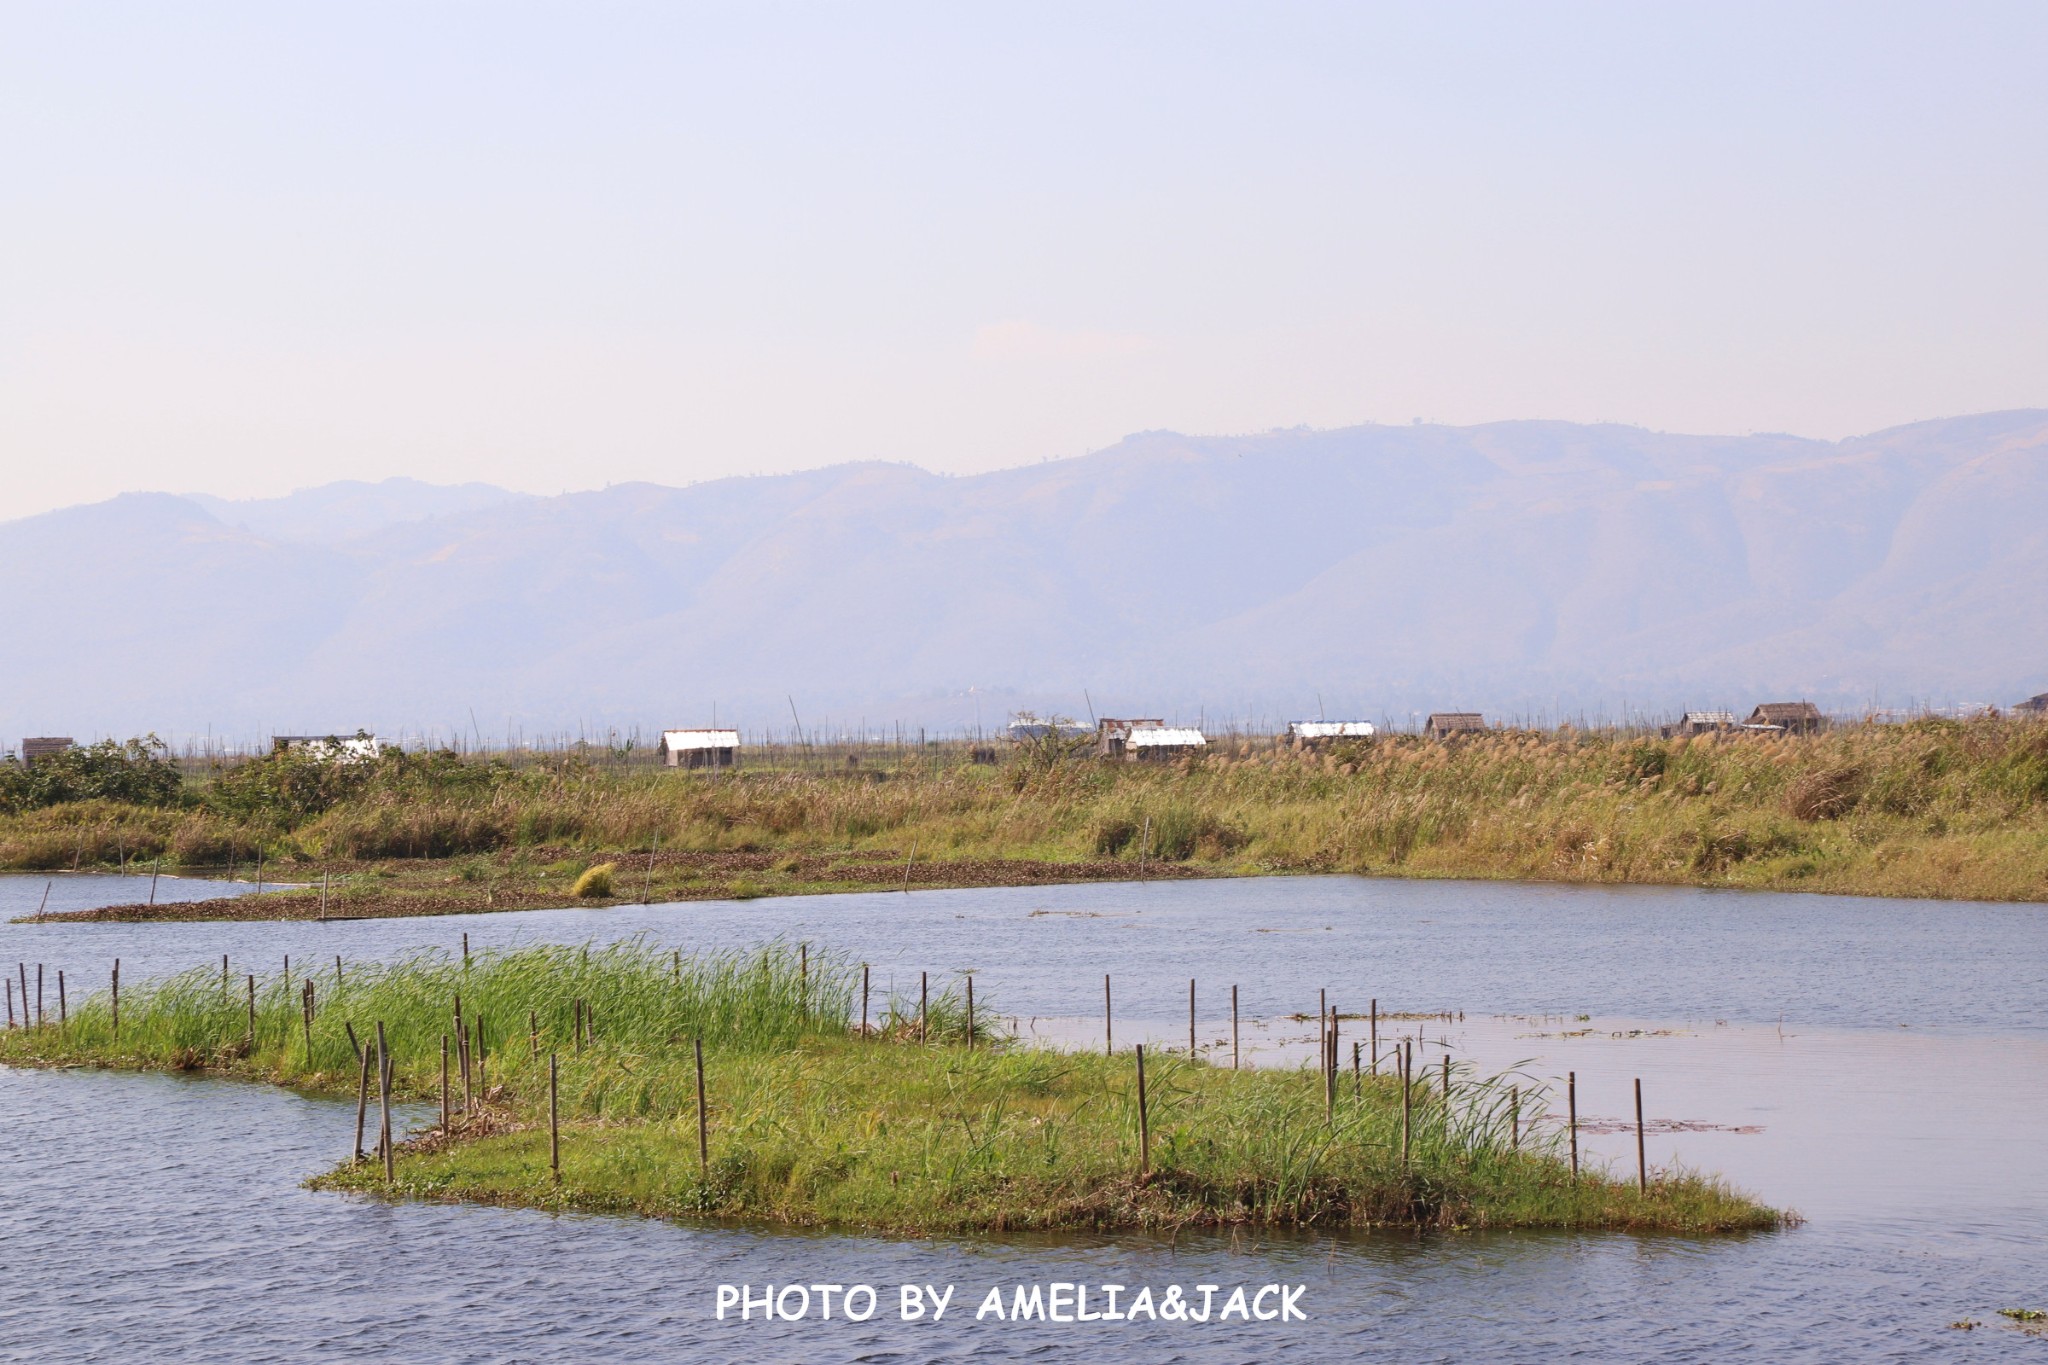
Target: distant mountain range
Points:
(1521, 568)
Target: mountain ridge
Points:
(1522, 567)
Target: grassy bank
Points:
(1931, 808)
(812, 1122)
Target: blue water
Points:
(1892, 1055)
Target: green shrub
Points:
(596, 882)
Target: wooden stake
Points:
(970, 1011)
(1571, 1105)
(1447, 1086)
(1374, 1014)
(63, 1014)
(1357, 1076)
(1191, 1016)
(362, 1098)
(10, 1002)
(351, 1030)
(1407, 1058)
(39, 995)
(252, 1015)
(337, 971)
(1233, 1028)
(1330, 1068)
(1144, 1121)
(117, 997)
(465, 949)
(384, 1103)
(1642, 1161)
(154, 868)
(446, 1117)
(1108, 1028)
(533, 1031)
(703, 1117)
(1515, 1116)
(554, 1119)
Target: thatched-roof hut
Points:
(1446, 724)
(1793, 717)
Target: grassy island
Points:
(1928, 808)
(913, 1124)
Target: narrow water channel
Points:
(1881, 1066)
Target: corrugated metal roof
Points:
(1331, 729)
(1165, 737)
(700, 739)
(1710, 718)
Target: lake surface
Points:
(1881, 1066)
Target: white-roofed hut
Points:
(700, 748)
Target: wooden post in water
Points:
(863, 999)
(1571, 1109)
(39, 995)
(223, 978)
(1357, 1076)
(1108, 1026)
(1406, 1061)
(63, 1014)
(970, 1011)
(252, 1015)
(362, 1102)
(1375, 1016)
(337, 971)
(465, 949)
(703, 1117)
(306, 1017)
(445, 1115)
(384, 1103)
(45, 903)
(1330, 1068)
(154, 868)
(1233, 1028)
(1642, 1161)
(1191, 1016)
(287, 969)
(1144, 1121)
(1515, 1116)
(10, 1002)
(350, 1029)
(554, 1120)
(1447, 1087)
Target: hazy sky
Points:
(248, 247)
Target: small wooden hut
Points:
(1448, 724)
(42, 746)
(1792, 717)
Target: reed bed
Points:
(908, 1125)
(1928, 808)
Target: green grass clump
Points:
(911, 1126)
(595, 883)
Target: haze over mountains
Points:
(1535, 568)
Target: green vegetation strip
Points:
(810, 1122)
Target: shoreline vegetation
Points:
(920, 1119)
(1929, 808)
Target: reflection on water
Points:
(165, 1214)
